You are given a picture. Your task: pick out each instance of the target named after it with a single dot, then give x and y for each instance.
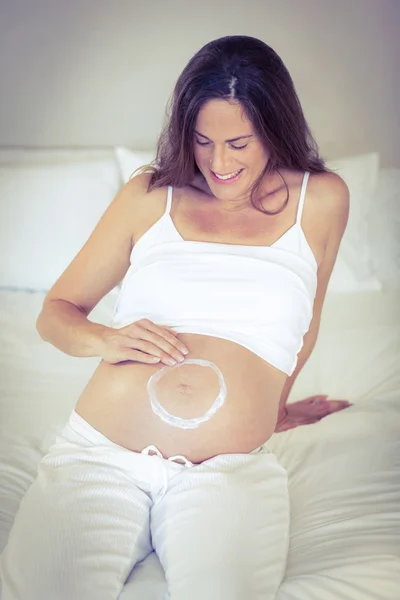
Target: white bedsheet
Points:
(344, 472)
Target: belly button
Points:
(186, 389)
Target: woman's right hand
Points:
(142, 341)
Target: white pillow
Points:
(344, 487)
(129, 160)
(47, 212)
(20, 155)
(361, 176)
(384, 229)
(344, 281)
(344, 472)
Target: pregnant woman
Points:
(225, 247)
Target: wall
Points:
(100, 72)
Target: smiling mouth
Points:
(227, 174)
(227, 177)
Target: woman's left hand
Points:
(307, 411)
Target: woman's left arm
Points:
(334, 196)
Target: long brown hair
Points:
(243, 69)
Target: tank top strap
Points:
(169, 200)
(302, 196)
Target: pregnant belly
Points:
(221, 399)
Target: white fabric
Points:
(344, 472)
(47, 212)
(384, 229)
(279, 282)
(343, 280)
(96, 509)
(130, 160)
(360, 173)
(20, 155)
(344, 479)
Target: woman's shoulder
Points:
(328, 206)
(148, 205)
(328, 182)
(329, 193)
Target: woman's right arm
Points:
(99, 266)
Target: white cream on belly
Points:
(185, 389)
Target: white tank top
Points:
(260, 297)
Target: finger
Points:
(137, 356)
(336, 405)
(318, 398)
(170, 330)
(308, 421)
(167, 334)
(293, 424)
(316, 410)
(321, 410)
(154, 350)
(168, 351)
(160, 338)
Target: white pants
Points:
(219, 528)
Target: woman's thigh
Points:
(221, 530)
(79, 530)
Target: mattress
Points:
(344, 472)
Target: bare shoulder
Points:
(330, 200)
(131, 196)
(136, 189)
(147, 205)
(330, 192)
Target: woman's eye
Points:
(234, 147)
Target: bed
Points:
(344, 472)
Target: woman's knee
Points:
(79, 529)
(221, 530)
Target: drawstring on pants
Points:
(171, 458)
(187, 463)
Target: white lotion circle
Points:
(173, 420)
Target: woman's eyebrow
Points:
(232, 140)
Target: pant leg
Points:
(81, 526)
(221, 530)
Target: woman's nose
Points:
(218, 162)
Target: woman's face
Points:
(217, 150)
